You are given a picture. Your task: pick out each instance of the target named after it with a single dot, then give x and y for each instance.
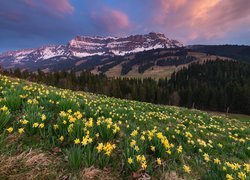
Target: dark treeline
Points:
(213, 85)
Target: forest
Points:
(214, 85)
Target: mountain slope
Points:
(53, 133)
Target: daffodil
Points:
(43, 117)
(229, 177)
(77, 141)
(35, 125)
(186, 169)
(21, 130)
(242, 175)
(61, 138)
(10, 129)
(179, 150)
(130, 160)
(55, 126)
(158, 160)
(99, 147)
(41, 125)
(217, 161)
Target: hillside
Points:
(55, 133)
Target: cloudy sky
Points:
(34, 23)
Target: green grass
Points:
(95, 134)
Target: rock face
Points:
(83, 46)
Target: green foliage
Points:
(75, 157)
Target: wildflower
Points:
(138, 158)
(99, 147)
(77, 141)
(21, 130)
(247, 167)
(43, 117)
(132, 143)
(90, 140)
(158, 160)
(179, 150)
(35, 125)
(10, 129)
(62, 114)
(168, 151)
(220, 145)
(108, 148)
(84, 141)
(134, 133)
(4, 108)
(206, 157)
(56, 126)
(186, 169)
(241, 175)
(152, 148)
(130, 160)
(41, 125)
(144, 165)
(229, 177)
(137, 148)
(24, 122)
(143, 138)
(217, 161)
(61, 138)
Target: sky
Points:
(35, 23)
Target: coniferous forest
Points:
(214, 85)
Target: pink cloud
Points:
(201, 19)
(110, 20)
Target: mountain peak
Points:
(83, 46)
(97, 45)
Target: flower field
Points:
(129, 138)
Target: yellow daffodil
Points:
(61, 138)
(130, 160)
(10, 129)
(186, 169)
(158, 160)
(21, 130)
(77, 141)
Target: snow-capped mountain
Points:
(83, 46)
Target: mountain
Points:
(149, 55)
(83, 46)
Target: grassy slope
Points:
(176, 136)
